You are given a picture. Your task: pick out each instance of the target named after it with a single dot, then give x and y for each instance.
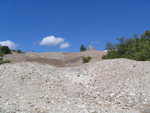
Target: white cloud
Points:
(9, 43)
(51, 41)
(95, 42)
(64, 45)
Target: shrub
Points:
(1, 62)
(1, 58)
(19, 51)
(14, 50)
(86, 59)
(7, 61)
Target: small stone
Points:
(112, 94)
(7, 111)
(118, 103)
(32, 105)
(130, 102)
(124, 107)
(143, 94)
(48, 101)
(17, 109)
(80, 84)
(41, 97)
(36, 109)
(46, 97)
(29, 103)
(134, 65)
(78, 75)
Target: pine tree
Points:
(82, 48)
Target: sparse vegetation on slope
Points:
(132, 48)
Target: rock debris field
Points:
(105, 86)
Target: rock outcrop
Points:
(90, 48)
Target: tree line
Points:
(136, 48)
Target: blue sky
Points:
(63, 25)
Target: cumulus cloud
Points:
(9, 43)
(51, 41)
(95, 42)
(64, 45)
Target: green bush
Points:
(86, 59)
(19, 51)
(14, 50)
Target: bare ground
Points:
(105, 86)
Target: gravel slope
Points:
(107, 86)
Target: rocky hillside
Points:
(106, 86)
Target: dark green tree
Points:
(109, 46)
(82, 48)
(5, 49)
(135, 35)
